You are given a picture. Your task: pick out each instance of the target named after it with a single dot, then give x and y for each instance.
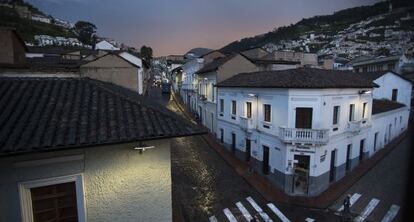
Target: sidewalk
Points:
(273, 194)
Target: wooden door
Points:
(265, 160)
(248, 149)
(303, 118)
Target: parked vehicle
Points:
(165, 87)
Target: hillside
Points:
(328, 29)
(17, 14)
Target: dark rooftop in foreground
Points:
(41, 114)
(384, 105)
(298, 78)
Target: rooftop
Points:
(215, 64)
(43, 114)
(298, 78)
(384, 105)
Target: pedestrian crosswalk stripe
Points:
(392, 212)
(229, 215)
(244, 211)
(352, 200)
(309, 220)
(213, 219)
(368, 210)
(278, 213)
(259, 210)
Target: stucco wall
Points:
(119, 183)
(6, 45)
(111, 68)
(234, 66)
(390, 81)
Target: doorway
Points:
(265, 166)
(301, 174)
(303, 118)
(248, 149)
(332, 172)
(233, 143)
(348, 157)
(361, 150)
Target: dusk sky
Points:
(175, 26)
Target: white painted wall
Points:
(105, 45)
(391, 81)
(119, 183)
(284, 102)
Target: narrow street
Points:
(386, 182)
(204, 185)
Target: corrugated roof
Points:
(42, 114)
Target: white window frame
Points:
(26, 197)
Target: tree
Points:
(86, 32)
(146, 52)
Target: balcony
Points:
(246, 124)
(354, 126)
(309, 136)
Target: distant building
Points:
(122, 69)
(305, 59)
(400, 63)
(105, 45)
(41, 18)
(13, 48)
(208, 77)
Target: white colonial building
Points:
(188, 82)
(305, 129)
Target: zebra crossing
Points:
(247, 210)
(369, 209)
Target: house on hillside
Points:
(122, 68)
(13, 48)
(77, 149)
(105, 45)
(212, 73)
(304, 129)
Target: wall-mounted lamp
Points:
(364, 91)
(252, 95)
(205, 78)
(142, 148)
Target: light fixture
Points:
(141, 149)
(364, 91)
(205, 79)
(252, 95)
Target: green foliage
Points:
(28, 28)
(86, 32)
(146, 52)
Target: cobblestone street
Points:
(204, 184)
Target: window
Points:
(400, 120)
(233, 107)
(375, 140)
(222, 135)
(53, 199)
(394, 94)
(351, 112)
(390, 66)
(248, 110)
(361, 150)
(364, 110)
(335, 119)
(267, 112)
(221, 105)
